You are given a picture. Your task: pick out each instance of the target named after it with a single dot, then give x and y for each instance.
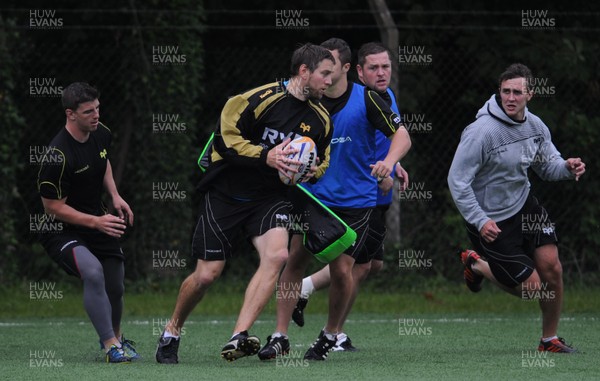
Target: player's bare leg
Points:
(549, 269)
(340, 291)
(360, 272)
(482, 267)
(192, 291)
(376, 266)
(321, 278)
(272, 249)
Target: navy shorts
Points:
(358, 220)
(510, 256)
(222, 218)
(373, 247)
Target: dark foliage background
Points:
(180, 60)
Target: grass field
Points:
(441, 335)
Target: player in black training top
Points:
(85, 244)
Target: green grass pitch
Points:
(441, 337)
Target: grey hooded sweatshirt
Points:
(488, 177)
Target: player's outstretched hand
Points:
(576, 166)
(112, 225)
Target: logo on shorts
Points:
(295, 222)
(537, 223)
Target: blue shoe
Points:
(116, 355)
(128, 348)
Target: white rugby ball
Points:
(306, 155)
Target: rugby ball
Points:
(306, 155)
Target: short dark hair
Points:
(77, 93)
(368, 49)
(341, 46)
(517, 70)
(310, 55)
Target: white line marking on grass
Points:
(349, 321)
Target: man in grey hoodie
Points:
(490, 187)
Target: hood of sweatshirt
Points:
(493, 108)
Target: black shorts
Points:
(358, 220)
(373, 247)
(221, 218)
(510, 256)
(59, 247)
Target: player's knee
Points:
(205, 276)
(552, 274)
(361, 272)
(376, 266)
(556, 269)
(341, 268)
(550, 271)
(275, 258)
(93, 275)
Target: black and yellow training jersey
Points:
(76, 170)
(250, 125)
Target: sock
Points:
(330, 335)
(307, 287)
(548, 339)
(279, 334)
(106, 350)
(169, 334)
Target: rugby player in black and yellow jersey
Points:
(242, 192)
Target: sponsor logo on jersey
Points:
(275, 137)
(103, 153)
(341, 139)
